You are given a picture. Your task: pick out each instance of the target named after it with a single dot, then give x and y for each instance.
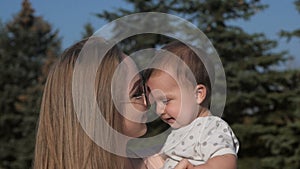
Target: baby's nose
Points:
(160, 109)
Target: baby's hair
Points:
(193, 64)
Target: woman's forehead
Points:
(136, 81)
(132, 73)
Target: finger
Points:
(183, 164)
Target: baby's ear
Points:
(200, 93)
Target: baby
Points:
(180, 86)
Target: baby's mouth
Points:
(170, 120)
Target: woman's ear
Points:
(200, 93)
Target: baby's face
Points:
(175, 103)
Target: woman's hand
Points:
(227, 161)
(184, 164)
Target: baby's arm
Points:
(227, 161)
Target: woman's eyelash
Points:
(138, 93)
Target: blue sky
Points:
(69, 16)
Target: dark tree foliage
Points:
(295, 33)
(28, 46)
(88, 30)
(262, 101)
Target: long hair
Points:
(61, 142)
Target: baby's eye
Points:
(165, 102)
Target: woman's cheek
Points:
(135, 113)
(134, 121)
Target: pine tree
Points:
(288, 135)
(262, 101)
(295, 33)
(88, 31)
(28, 46)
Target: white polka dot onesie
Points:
(204, 138)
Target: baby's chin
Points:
(177, 125)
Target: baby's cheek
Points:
(187, 115)
(174, 109)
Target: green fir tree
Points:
(28, 46)
(88, 30)
(295, 33)
(262, 101)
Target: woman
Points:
(61, 140)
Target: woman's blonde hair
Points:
(61, 142)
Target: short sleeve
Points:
(217, 138)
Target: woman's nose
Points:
(146, 101)
(146, 96)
